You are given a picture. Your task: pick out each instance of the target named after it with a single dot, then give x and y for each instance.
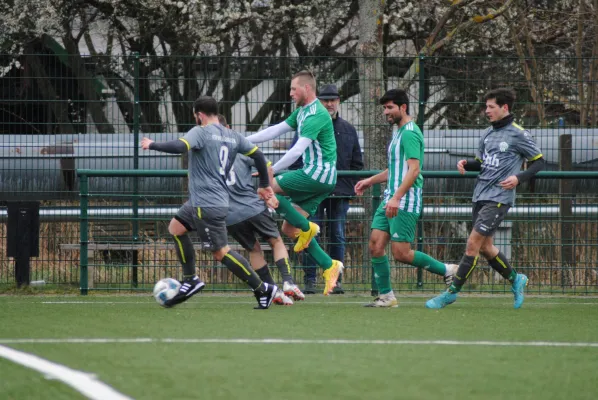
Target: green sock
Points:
(428, 263)
(512, 276)
(321, 258)
(290, 214)
(382, 273)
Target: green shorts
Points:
(307, 193)
(400, 228)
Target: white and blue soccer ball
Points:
(165, 289)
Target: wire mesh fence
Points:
(60, 113)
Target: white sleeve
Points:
(270, 133)
(292, 155)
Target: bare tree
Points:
(371, 82)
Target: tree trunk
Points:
(579, 64)
(85, 85)
(374, 127)
(58, 106)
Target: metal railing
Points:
(576, 275)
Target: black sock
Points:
(239, 266)
(265, 276)
(466, 265)
(185, 253)
(501, 264)
(284, 266)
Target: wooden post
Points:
(566, 210)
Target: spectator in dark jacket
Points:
(332, 212)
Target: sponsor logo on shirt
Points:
(223, 139)
(490, 161)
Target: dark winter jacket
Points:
(348, 156)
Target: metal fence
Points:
(60, 113)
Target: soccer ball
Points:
(166, 289)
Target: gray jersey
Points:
(244, 202)
(212, 150)
(502, 152)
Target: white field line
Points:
(84, 383)
(301, 341)
(220, 301)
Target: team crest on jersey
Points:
(503, 146)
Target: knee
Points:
(401, 255)
(376, 248)
(485, 252)
(219, 254)
(175, 228)
(472, 247)
(489, 252)
(277, 241)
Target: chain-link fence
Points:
(61, 113)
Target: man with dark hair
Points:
(309, 186)
(212, 149)
(334, 209)
(396, 217)
(501, 151)
(501, 96)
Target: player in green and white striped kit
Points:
(309, 186)
(396, 217)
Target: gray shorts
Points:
(245, 232)
(487, 216)
(209, 222)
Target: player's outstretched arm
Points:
(270, 133)
(292, 155)
(173, 147)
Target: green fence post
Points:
(375, 204)
(83, 235)
(135, 203)
(420, 122)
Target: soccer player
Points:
(249, 217)
(501, 151)
(309, 186)
(212, 149)
(396, 217)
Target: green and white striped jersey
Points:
(407, 142)
(312, 121)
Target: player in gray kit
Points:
(212, 149)
(502, 149)
(249, 217)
